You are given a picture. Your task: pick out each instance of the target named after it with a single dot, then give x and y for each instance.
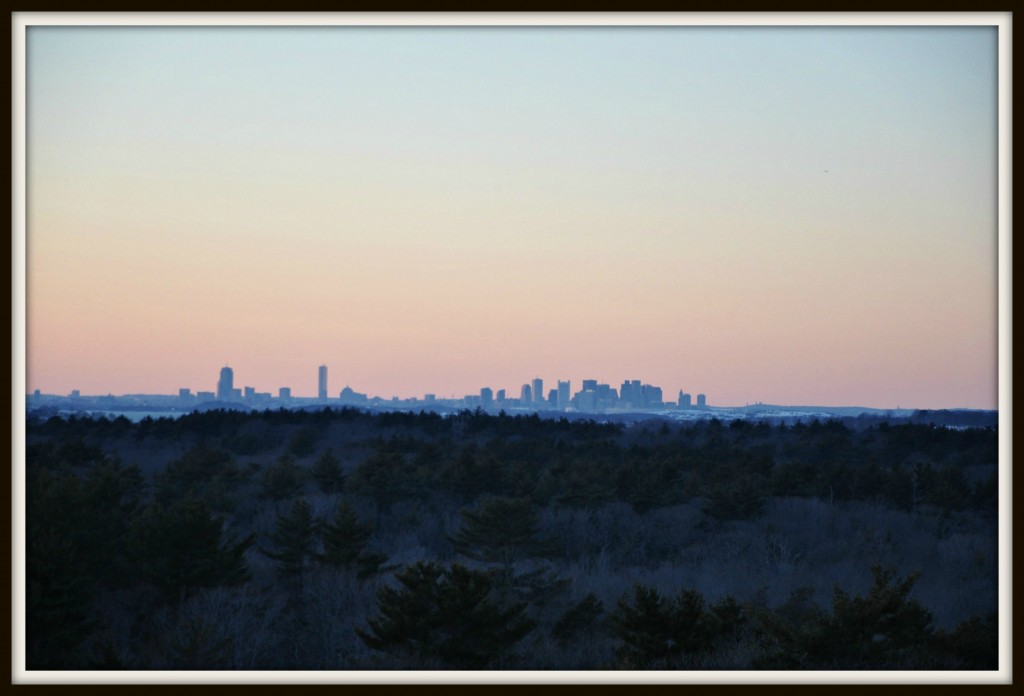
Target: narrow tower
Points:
(226, 383)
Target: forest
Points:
(340, 539)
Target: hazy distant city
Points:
(592, 397)
(631, 400)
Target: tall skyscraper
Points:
(226, 383)
(321, 392)
(702, 401)
(486, 397)
(538, 391)
(563, 394)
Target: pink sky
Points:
(456, 222)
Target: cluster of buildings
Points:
(226, 391)
(592, 397)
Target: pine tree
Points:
(657, 632)
(386, 477)
(292, 541)
(77, 527)
(501, 530)
(880, 630)
(281, 480)
(327, 472)
(874, 630)
(446, 615)
(184, 547)
(344, 539)
(578, 618)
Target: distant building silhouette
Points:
(650, 396)
(538, 391)
(226, 384)
(702, 401)
(631, 394)
(563, 394)
(250, 393)
(321, 392)
(685, 400)
(525, 396)
(586, 400)
(486, 397)
(284, 393)
(349, 396)
(501, 396)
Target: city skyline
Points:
(558, 397)
(781, 214)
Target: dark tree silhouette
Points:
(501, 530)
(447, 616)
(344, 539)
(292, 540)
(578, 618)
(327, 472)
(184, 547)
(657, 632)
(281, 480)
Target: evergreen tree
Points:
(77, 527)
(386, 477)
(204, 471)
(293, 539)
(876, 630)
(281, 480)
(446, 615)
(880, 630)
(184, 547)
(327, 472)
(344, 539)
(501, 530)
(658, 633)
(578, 618)
(735, 492)
(303, 441)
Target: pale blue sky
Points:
(537, 171)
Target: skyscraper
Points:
(226, 383)
(702, 401)
(322, 390)
(525, 396)
(538, 391)
(563, 394)
(486, 397)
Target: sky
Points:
(801, 216)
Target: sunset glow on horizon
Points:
(790, 215)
